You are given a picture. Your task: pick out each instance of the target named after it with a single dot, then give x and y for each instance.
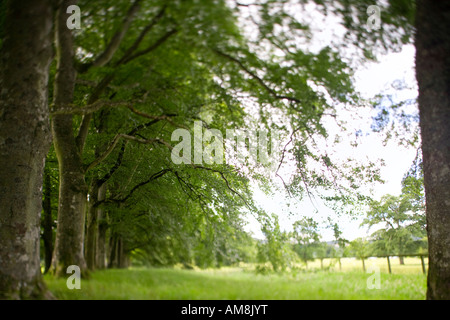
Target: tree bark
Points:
(92, 228)
(95, 237)
(118, 256)
(47, 223)
(102, 227)
(69, 241)
(25, 138)
(433, 76)
(122, 255)
(72, 199)
(95, 253)
(73, 188)
(113, 251)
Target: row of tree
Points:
(399, 222)
(100, 103)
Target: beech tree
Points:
(401, 224)
(25, 56)
(137, 68)
(306, 234)
(94, 82)
(93, 90)
(432, 71)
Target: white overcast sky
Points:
(374, 78)
(370, 79)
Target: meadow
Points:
(412, 265)
(405, 283)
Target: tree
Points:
(93, 90)
(96, 84)
(69, 147)
(25, 56)
(359, 248)
(274, 248)
(127, 76)
(432, 71)
(339, 241)
(400, 224)
(306, 233)
(49, 209)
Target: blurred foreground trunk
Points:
(433, 77)
(25, 139)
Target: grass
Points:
(235, 283)
(411, 265)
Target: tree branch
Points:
(90, 108)
(282, 158)
(142, 35)
(191, 188)
(153, 177)
(152, 47)
(84, 127)
(272, 92)
(116, 139)
(87, 111)
(115, 41)
(114, 168)
(99, 104)
(166, 117)
(226, 182)
(119, 159)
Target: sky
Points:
(371, 79)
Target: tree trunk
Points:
(24, 141)
(96, 233)
(92, 228)
(401, 259)
(433, 76)
(72, 200)
(72, 186)
(102, 227)
(47, 223)
(113, 251)
(96, 230)
(119, 256)
(123, 260)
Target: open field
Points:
(236, 283)
(411, 265)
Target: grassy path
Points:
(234, 284)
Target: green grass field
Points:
(411, 265)
(237, 283)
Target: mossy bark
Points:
(25, 138)
(92, 228)
(433, 77)
(47, 221)
(102, 228)
(72, 186)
